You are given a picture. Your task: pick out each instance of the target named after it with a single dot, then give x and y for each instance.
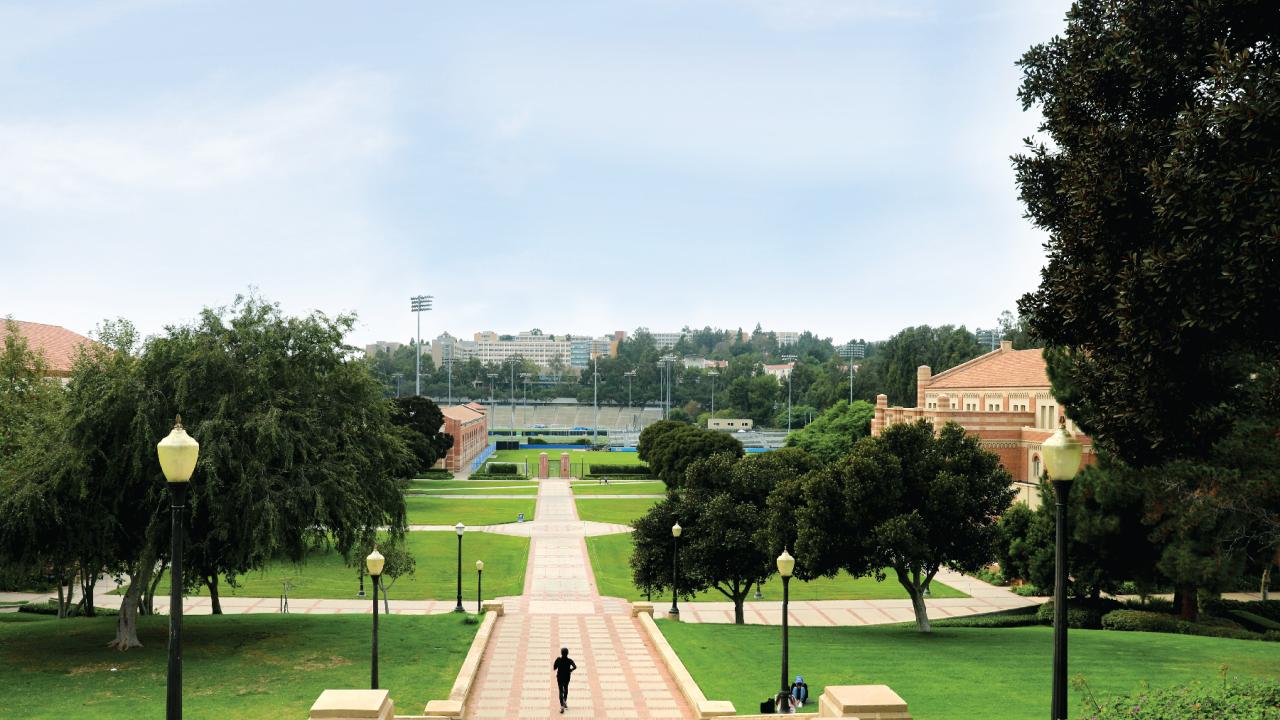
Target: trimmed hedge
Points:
(1021, 617)
(1079, 617)
(494, 468)
(50, 607)
(1254, 621)
(613, 469)
(1249, 700)
(1139, 621)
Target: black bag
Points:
(766, 707)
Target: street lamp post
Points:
(513, 397)
(786, 564)
(1062, 454)
(675, 566)
(628, 375)
(524, 404)
(790, 371)
(460, 528)
(178, 453)
(448, 361)
(595, 396)
(418, 304)
(375, 563)
(479, 585)
(713, 374)
(397, 377)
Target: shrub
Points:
(535, 441)
(1080, 616)
(614, 469)
(1021, 617)
(1139, 621)
(50, 607)
(582, 441)
(1254, 621)
(501, 469)
(991, 577)
(1251, 700)
(1029, 590)
(1269, 609)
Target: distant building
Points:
(730, 424)
(468, 425)
(666, 340)
(541, 349)
(1003, 397)
(988, 339)
(57, 345)
(387, 346)
(781, 371)
(786, 337)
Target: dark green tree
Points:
(909, 501)
(670, 447)
(425, 439)
(832, 434)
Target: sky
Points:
(840, 166)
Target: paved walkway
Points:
(619, 674)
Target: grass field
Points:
(618, 486)
(613, 510)
(426, 510)
(248, 667)
(955, 673)
(325, 575)
(575, 456)
(611, 556)
(474, 487)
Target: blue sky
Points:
(835, 165)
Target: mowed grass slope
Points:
(433, 510)
(613, 510)
(619, 486)
(611, 561)
(248, 667)
(956, 673)
(325, 575)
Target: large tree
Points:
(423, 421)
(1155, 180)
(832, 434)
(721, 504)
(909, 501)
(670, 447)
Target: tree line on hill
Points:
(742, 388)
(299, 448)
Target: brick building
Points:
(469, 426)
(57, 345)
(1002, 397)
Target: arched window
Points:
(1035, 468)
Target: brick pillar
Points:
(564, 465)
(923, 374)
(877, 421)
(542, 465)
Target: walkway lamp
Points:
(1062, 454)
(675, 554)
(460, 528)
(374, 563)
(178, 453)
(479, 585)
(786, 564)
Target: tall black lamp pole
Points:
(786, 564)
(479, 586)
(375, 563)
(461, 529)
(178, 453)
(675, 567)
(1062, 454)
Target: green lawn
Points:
(579, 459)
(955, 673)
(514, 486)
(426, 510)
(249, 667)
(618, 486)
(613, 510)
(611, 556)
(325, 575)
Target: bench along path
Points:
(619, 675)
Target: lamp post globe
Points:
(1061, 454)
(178, 453)
(374, 563)
(479, 585)
(786, 565)
(460, 528)
(675, 567)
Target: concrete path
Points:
(619, 675)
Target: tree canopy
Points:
(670, 447)
(832, 434)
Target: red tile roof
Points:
(57, 344)
(461, 413)
(1001, 368)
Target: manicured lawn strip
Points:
(249, 667)
(613, 510)
(427, 510)
(471, 484)
(497, 490)
(619, 487)
(325, 575)
(611, 557)
(575, 457)
(955, 673)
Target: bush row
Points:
(1010, 618)
(1147, 621)
(50, 607)
(494, 468)
(614, 469)
(1252, 700)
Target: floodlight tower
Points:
(713, 374)
(418, 304)
(791, 359)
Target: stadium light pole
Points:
(595, 396)
(418, 304)
(791, 359)
(448, 351)
(397, 377)
(513, 396)
(713, 374)
(492, 378)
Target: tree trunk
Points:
(127, 622)
(1188, 606)
(739, 617)
(386, 602)
(211, 581)
(149, 601)
(1266, 575)
(915, 590)
(87, 582)
(62, 606)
